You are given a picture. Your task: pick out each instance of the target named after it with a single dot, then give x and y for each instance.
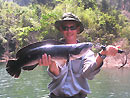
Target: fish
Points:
(28, 57)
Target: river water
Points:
(109, 83)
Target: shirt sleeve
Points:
(90, 66)
(62, 73)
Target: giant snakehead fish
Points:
(28, 57)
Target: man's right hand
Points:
(47, 61)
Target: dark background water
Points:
(109, 83)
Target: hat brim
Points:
(60, 22)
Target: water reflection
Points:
(109, 83)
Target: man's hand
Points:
(110, 50)
(47, 61)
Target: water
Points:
(109, 83)
(31, 84)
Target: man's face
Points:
(69, 30)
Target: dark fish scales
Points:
(27, 58)
(37, 44)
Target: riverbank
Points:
(6, 60)
(2, 61)
(117, 61)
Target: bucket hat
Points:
(69, 17)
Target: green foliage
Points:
(104, 6)
(89, 4)
(126, 32)
(100, 26)
(35, 22)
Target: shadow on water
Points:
(109, 83)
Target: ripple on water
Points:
(111, 95)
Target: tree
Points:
(104, 6)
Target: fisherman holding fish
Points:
(70, 80)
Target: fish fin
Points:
(17, 73)
(68, 59)
(13, 69)
(22, 51)
(29, 67)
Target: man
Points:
(70, 81)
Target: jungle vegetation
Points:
(26, 21)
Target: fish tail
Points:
(13, 69)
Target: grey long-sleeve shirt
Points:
(73, 76)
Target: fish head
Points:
(80, 49)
